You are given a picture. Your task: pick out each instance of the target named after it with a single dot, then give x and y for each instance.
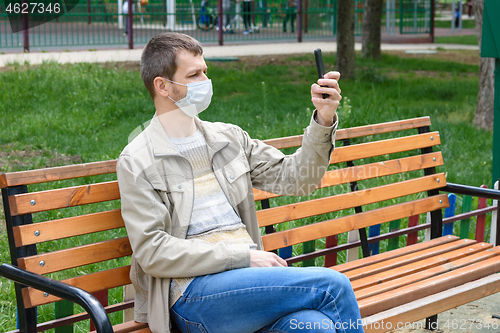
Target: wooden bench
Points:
(375, 177)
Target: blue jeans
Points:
(269, 299)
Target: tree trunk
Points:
(483, 118)
(345, 39)
(372, 25)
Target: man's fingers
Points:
(278, 261)
(282, 262)
(334, 93)
(265, 259)
(332, 75)
(329, 83)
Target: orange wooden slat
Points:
(286, 142)
(135, 327)
(309, 232)
(430, 305)
(366, 262)
(67, 227)
(57, 173)
(368, 171)
(62, 198)
(381, 169)
(128, 327)
(147, 330)
(93, 282)
(348, 200)
(356, 132)
(428, 287)
(408, 259)
(77, 256)
(425, 274)
(416, 264)
(384, 147)
(388, 127)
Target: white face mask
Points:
(198, 97)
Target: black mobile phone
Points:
(320, 67)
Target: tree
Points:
(372, 25)
(345, 39)
(483, 118)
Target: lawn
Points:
(466, 24)
(466, 40)
(54, 114)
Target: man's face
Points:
(190, 68)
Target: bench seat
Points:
(377, 178)
(388, 282)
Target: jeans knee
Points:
(338, 283)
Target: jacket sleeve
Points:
(296, 174)
(159, 254)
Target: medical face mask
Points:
(198, 97)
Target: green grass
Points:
(466, 40)
(466, 24)
(90, 110)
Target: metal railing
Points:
(100, 24)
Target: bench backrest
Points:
(79, 231)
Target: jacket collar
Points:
(162, 145)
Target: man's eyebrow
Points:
(196, 70)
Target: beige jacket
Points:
(157, 194)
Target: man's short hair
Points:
(159, 57)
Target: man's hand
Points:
(327, 108)
(265, 259)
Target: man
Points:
(188, 206)
(247, 17)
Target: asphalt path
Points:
(210, 51)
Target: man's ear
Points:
(160, 87)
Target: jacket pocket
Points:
(237, 176)
(178, 198)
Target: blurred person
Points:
(291, 13)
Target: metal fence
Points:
(99, 23)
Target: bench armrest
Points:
(472, 191)
(76, 295)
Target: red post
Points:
(26, 27)
(130, 17)
(481, 219)
(331, 259)
(412, 236)
(306, 15)
(299, 20)
(220, 23)
(102, 297)
(433, 9)
(88, 10)
(253, 13)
